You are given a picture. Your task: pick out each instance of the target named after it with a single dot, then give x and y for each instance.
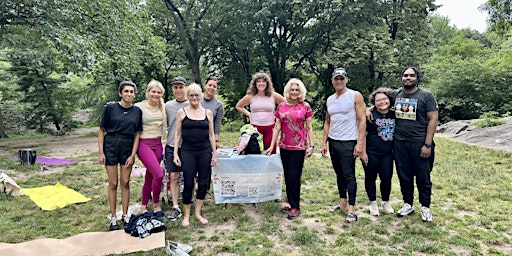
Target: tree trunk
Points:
(2, 126)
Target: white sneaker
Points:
(172, 249)
(387, 207)
(126, 219)
(426, 214)
(374, 209)
(184, 247)
(405, 210)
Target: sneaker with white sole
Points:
(426, 214)
(175, 214)
(172, 249)
(126, 219)
(405, 210)
(183, 247)
(113, 224)
(387, 207)
(374, 209)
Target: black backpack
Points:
(253, 146)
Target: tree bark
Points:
(2, 126)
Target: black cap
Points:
(179, 80)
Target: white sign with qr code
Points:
(247, 179)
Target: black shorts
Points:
(169, 159)
(117, 148)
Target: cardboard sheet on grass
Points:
(53, 197)
(247, 178)
(91, 243)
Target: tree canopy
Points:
(61, 56)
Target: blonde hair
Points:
(302, 89)
(152, 84)
(194, 88)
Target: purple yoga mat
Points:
(50, 160)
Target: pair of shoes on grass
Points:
(374, 208)
(177, 249)
(407, 209)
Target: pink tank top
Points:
(262, 110)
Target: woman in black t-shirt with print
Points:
(379, 148)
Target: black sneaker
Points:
(113, 224)
(175, 214)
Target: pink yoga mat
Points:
(50, 160)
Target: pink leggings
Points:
(150, 154)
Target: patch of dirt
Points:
(69, 146)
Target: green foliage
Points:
(469, 76)
(499, 15)
(94, 45)
(488, 119)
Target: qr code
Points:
(227, 188)
(253, 191)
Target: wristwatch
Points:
(427, 145)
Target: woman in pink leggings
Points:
(150, 145)
(262, 100)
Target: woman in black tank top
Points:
(194, 129)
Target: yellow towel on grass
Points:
(53, 197)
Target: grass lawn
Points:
(471, 203)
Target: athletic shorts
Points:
(117, 148)
(169, 159)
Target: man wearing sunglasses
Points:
(345, 129)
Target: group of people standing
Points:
(193, 119)
(378, 136)
(128, 129)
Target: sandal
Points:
(351, 217)
(286, 208)
(335, 208)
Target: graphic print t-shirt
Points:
(379, 139)
(411, 114)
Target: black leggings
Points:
(344, 165)
(381, 165)
(293, 162)
(195, 163)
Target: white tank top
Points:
(343, 116)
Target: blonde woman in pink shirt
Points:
(296, 142)
(261, 99)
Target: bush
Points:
(489, 119)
